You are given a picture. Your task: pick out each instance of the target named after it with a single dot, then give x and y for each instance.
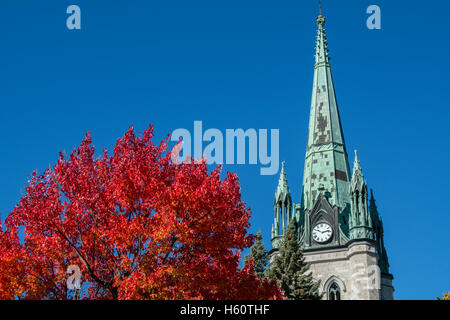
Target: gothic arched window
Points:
(334, 292)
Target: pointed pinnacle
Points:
(282, 187)
(282, 180)
(357, 176)
(356, 163)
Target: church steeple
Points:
(326, 161)
(338, 227)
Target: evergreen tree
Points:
(290, 270)
(260, 256)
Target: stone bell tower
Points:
(339, 227)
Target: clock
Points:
(322, 232)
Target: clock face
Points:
(322, 232)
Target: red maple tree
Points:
(138, 225)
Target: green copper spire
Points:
(326, 162)
(338, 227)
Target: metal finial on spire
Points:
(320, 19)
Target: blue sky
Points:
(243, 64)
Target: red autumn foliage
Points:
(137, 224)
